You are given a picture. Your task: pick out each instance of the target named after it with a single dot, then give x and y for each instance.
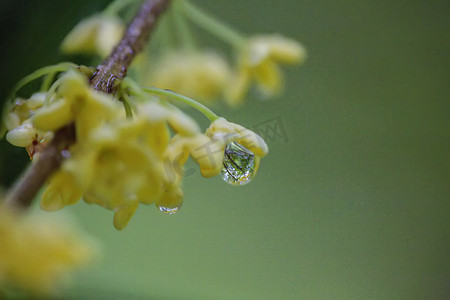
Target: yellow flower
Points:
(123, 163)
(17, 119)
(77, 102)
(37, 253)
(20, 110)
(199, 75)
(110, 170)
(208, 149)
(62, 191)
(258, 62)
(221, 129)
(97, 34)
(175, 157)
(208, 152)
(23, 135)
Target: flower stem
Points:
(217, 28)
(182, 27)
(52, 90)
(191, 102)
(127, 106)
(61, 67)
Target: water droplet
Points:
(168, 210)
(239, 164)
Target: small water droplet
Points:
(239, 164)
(168, 210)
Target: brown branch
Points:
(115, 66)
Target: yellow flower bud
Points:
(22, 136)
(222, 129)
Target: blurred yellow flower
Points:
(97, 34)
(20, 110)
(199, 75)
(258, 62)
(37, 254)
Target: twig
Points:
(115, 66)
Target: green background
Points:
(355, 205)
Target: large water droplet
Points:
(239, 164)
(168, 210)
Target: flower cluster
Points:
(119, 162)
(37, 253)
(131, 146)
(18, 120)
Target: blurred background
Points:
(353, 201)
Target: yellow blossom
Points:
(97, 34)
(37, 253)
(20, 110)
(258, 62)
(17, 119)
(62, 191)
(208, 152)
(77, 102)
(112, 171)
(199, 75)
(221, 129)
(121, 163)
(175, 157)
(22, 136)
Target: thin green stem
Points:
(46, 83)
(39, 73)
(126, 105)
(52, 90)
(163, 40)
(212, 25)
(177, 97)
(182, 27)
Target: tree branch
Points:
(114, 67)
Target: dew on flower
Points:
(169, 210)
(239, 164)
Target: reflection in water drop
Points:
(168, 210)
(238, 164)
